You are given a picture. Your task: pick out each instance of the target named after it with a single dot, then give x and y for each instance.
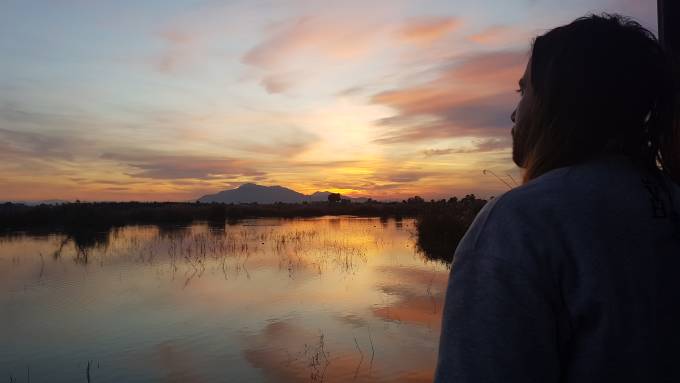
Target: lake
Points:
(331, 299)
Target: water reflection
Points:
(330, 299)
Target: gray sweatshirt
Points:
(572, 277)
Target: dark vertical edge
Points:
(660, 19)
(669, 24)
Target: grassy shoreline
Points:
(439, 224)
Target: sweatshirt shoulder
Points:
(524, 209)
(546, 192)
(568, 194)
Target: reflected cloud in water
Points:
(329, 299)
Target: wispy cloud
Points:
(298, 44)
(180, 47)
(287, 142)
(319, 36)
(499, 35)
(159, 166)
(468, 97)
(426, 30)
(478, 146)
(28, 136)
(35, 145)
(275, 84)
(404, 176)
(189, 37)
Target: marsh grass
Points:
(189, 252)
(440, 225)
(317, 357)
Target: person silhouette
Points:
(574, 276)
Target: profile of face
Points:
(520, 117)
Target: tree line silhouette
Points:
(440, 224)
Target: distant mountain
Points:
(319, 196)
(249, 193)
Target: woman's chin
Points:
(517, 158)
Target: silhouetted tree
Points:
(334, 197)
(415, 200)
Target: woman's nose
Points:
(513, 115)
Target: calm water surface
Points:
(266, 300)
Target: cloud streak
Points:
(309, 34)
(158, 166)
(478, 146)
(468, 97)
(427, 30)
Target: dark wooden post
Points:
(669, 24)
(669, 35)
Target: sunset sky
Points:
(170, 100)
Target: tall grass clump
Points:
(442, 224)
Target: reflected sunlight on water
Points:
(328, 299)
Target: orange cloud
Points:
(426, 30)
(318, 36)
(307, 42)
(498, 35)
(499, 70)
(285, 352)
(469, 97)
(420, 297)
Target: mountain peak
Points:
(249, 185)
(252, 192)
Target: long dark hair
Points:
(602, 83)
